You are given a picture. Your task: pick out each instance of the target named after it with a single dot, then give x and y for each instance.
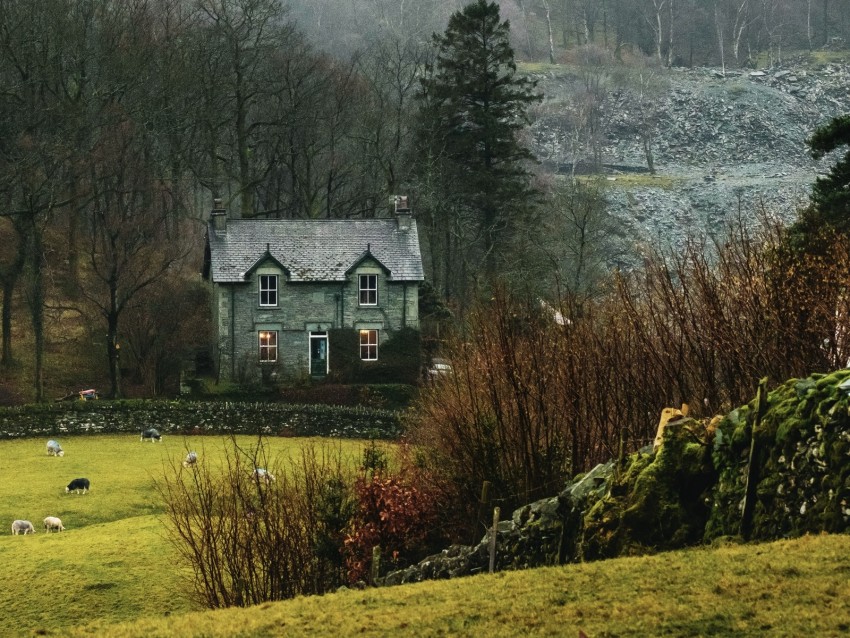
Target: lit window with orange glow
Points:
(369, 345)
(268, 346)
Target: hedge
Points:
(192, 417)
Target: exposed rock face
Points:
(688, 491)
(728, 143)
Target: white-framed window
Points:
(369, 345)
(268, 346)
(268, 290)
(368, 290)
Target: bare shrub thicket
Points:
(537, 396)
(249, 539)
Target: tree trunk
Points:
(8, 290)
(10, 280)
(113, 351)
(37, 310)
(549, 31)
(719, 28)
(670, 34)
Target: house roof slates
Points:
(313, 250)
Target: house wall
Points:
(303, 308)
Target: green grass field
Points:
(113, 572)
(788, 588)
(114, 561)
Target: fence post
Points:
(482, 503)
(493, 531)
(752, 464)
(376, 565)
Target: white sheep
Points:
(22, 527)
(54, 449)
(191, 459)
(262, 474)
(52, 523)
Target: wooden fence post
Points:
(482, 503)
(376, 565)
(493, 532)
(752, 465)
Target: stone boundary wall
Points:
(189, 417)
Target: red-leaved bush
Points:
(391, 513)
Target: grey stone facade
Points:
(316, 269)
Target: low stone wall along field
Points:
(186, 417)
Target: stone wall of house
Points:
(303, 308)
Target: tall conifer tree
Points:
(475, 104)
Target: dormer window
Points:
(268, 291)
(368, 290)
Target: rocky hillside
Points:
(723, 144)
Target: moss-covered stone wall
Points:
(691, 489)
(803, 462)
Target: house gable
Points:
(266, 264)
(367, 261)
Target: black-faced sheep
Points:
(52, 523)
(22, 527)
(54, 449)
(151, 435)
(78, 484)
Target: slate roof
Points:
(313, 250)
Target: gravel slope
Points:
(727, 144)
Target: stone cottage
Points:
(281, 289)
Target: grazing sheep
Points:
(191, 459)
(151, 435)
(51, 523)
(78, 484)
(262, 475)
(54, 449)
(22, 527)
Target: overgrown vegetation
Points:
(251, 538)
(538, 394)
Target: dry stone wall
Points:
(188, 417)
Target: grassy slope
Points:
(113, 562)
(787, 588)
(114, 565)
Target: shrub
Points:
(392, 513)
(249, 540)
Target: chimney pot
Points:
(402, 212)
(218, 217)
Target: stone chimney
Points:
(403, 214)
(218, 217)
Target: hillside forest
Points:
(122, 121)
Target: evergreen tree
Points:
(473, 107)
(831, 194)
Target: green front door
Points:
(318, 354)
